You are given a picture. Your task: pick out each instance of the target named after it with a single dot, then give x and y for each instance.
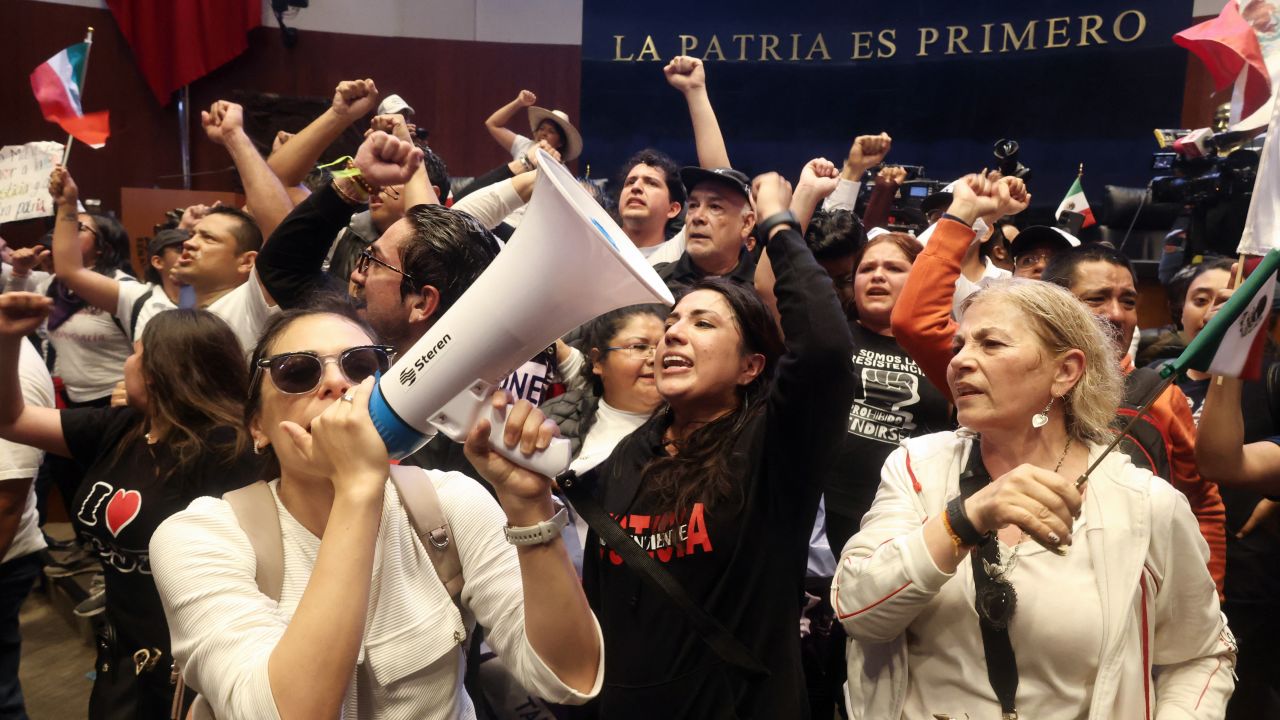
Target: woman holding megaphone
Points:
(362, 625)
(721, 488)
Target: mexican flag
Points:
(1231, 342)
(56, 84)
(1076, 202)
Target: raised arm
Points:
(352, 100)
(97, 289)
(887, 182)
(1221, 453)
(500, 117)
(818, 179)
(921, 319)
(265, 196)
(289, 266)
(39, 427)
(418, 190)
(687, 75)
(1014, 201)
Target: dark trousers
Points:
(16, 579)
(1257, 630)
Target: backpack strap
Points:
(255, 510)
(422, 505)
(136, 311)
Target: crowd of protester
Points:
(855, 471)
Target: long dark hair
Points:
(196, 381)
(706, 469)
(321, 304)
(112, 244)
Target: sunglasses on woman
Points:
(295, 373)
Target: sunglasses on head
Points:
(295, 373)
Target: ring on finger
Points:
(348, 397)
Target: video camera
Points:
(1198, 166)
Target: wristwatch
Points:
(543, 532)
(766, 226)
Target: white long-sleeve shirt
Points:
(411, 658)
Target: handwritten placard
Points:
(24, 180)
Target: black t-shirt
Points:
(892, 401)
(121, 501)
(1252, 560)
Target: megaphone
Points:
(510, 313)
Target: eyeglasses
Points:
(637, 351)
(87, 228)
(365, 257)
(1032, 259)
(295, 373)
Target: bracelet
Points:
(953, 218)
(765, 227)
(955, 539)
(359, 180)
(959, 524)
(348, 197)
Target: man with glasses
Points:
(1035, 246)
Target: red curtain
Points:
(177, 41)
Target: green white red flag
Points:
(1076, 202)
(57, 85)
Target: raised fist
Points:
(385, 160)
(63, 188)
(975, 196)
(526, 98)
(685, 73)
(867, 151)
(355, 98)
(1018, 197)
(892, 174)
(22, 312)
(391, 124)
(819, 175)
(222, 120)
(194, 214)
(772, 193)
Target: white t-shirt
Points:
(520, 146)
(966, 287)
(245, 309)
(91, 349)
(129, 295)
(22, 462)
(668, 251)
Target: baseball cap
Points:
(693, 176)
(166, 238)
(394, 104)
(1042, 235)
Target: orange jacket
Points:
(923, 326)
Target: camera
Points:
(1006, 152)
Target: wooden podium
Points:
(141, 209)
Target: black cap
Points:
(940, 200)
(166, 238)
(1042, 235)
(694, 176)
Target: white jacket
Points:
(1167, 650)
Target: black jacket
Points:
(742, 559)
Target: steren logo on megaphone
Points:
(409, 375)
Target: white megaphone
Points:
(511, 312)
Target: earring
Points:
(257, 449)
(1041, 418)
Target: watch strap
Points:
(542, 533)
(766, 226)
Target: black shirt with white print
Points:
(124, 497)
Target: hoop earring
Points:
(1041, 418)
(257, 449)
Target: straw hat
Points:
(572, 140)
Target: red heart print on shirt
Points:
(123, 507)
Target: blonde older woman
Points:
(959, 592)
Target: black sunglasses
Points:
(295, 373)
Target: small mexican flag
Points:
(56, 84)
(1076, 202)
